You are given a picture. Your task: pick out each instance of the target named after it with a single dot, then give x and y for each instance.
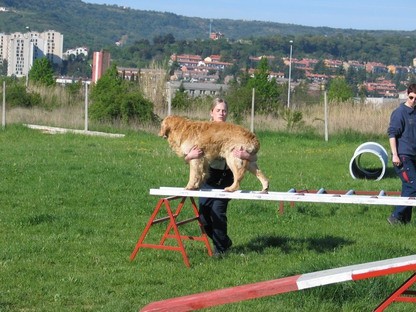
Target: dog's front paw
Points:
(191, 187)
(230, 189)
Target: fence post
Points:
(252, 111)
(169, 90)
(3, 118)
(326, 116)
(86, 107)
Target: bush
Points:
(42, 72)
(181, 99)
(293, 118)
(135, 106)
(17, 96)
(117, 99)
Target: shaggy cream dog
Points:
(216, 139)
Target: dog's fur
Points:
(215, 139)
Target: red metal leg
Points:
(204, 236)
(172, 218)
(281, 207)
(172, 225)
(146, 229)
(397, 295)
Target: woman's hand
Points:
(194, 153)
(243, 154)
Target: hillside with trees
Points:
(147, 37)
(98, 26)
(387, 49)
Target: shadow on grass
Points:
(6, 306)
(290, 245)
(390, 173)
(39, 219)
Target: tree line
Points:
(387, 49)
(114, 99)
(99, 26)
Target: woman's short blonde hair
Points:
(217, 101)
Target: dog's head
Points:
(167, 125)
(164, 128)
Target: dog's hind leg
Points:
(196, 170)
(254, 169)
(238, 168)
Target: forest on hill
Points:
(148, 37)
(98, 26)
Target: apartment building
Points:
(4, 47)
(101, 61)
(22, 49)
(189, 62)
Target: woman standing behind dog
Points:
(213, 211)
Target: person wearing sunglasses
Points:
(402, 139)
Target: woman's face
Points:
(219, 113)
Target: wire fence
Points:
(316, 114)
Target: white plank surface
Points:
(289, 197)
(346, 273)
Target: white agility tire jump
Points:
(358, 171)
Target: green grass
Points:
(72, 208)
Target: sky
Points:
(354, 14)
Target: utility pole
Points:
(290, 74)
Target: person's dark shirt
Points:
(403, 127)
(219, 176)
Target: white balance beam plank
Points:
(287, 196)
(357, 272)
(283, 285)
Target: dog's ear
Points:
(164, 129)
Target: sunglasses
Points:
(411, 97)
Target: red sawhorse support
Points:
(172, 225)
(401, 294)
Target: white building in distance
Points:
(22, 49)
(75, 52)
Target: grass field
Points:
(72, 208)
